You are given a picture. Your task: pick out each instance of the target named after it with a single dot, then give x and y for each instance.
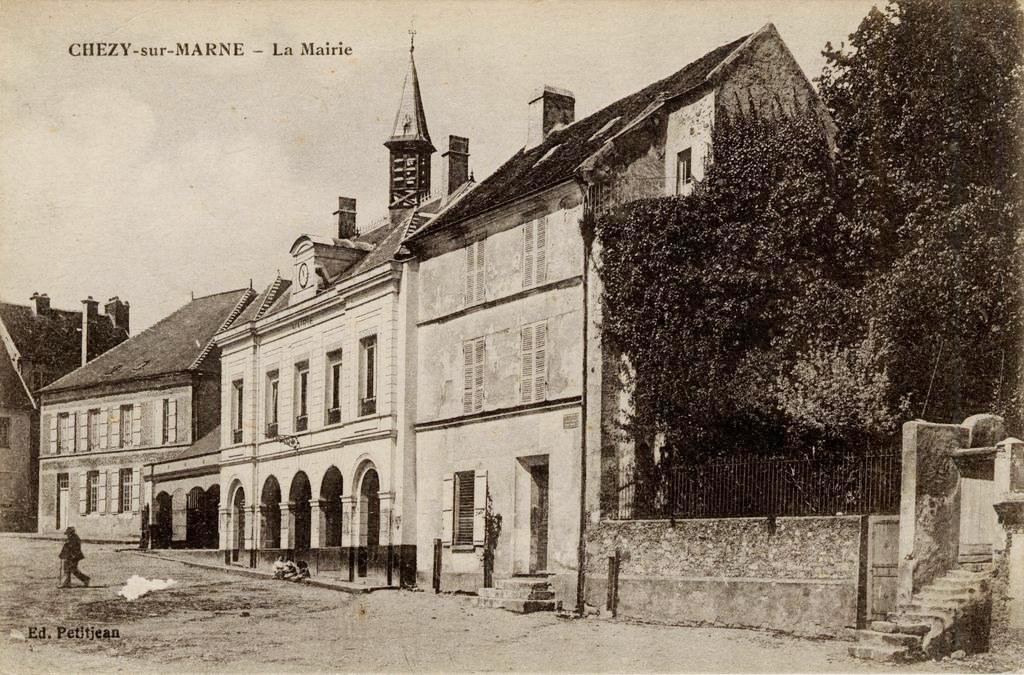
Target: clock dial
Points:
(303, 275)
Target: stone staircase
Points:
(519, 594)
(951, 613)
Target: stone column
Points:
(251, 528)
(929, 505)
(287, 525)
(224, 524)
(349, 534)
(317, 524)
(387, 505)
(1007, 628)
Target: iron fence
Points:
(868, 483)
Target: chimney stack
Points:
(118, 312)
(550, 108)
(346, 218)
(40, 304)
(456, 164)
(89, 313)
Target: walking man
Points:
(69, 556)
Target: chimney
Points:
(550, 108)
(40, 304)
(456, 165)
(118, 312)
(346, 218)
(89, 313)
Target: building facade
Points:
(41, 343)
(145, 401)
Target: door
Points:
(539, 518)
(978, 520)
(62, 501)
(883, 561)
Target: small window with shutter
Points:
(92, 485)
(464, 491)
(535, 252)
(473, 375)
(533, 365)
(475, 272)
(126, 435)
(124, 490)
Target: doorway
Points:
(62, 501)
(369, 521)
(539, 518)
(238, 516)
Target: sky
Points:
(154, 178)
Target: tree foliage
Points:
(928, 101)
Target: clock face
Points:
(303, 275)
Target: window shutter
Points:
(528, 254)
(115, 427)
(480, 271)
(540, 366)
(479, 506)
(53, 434)
(83, 431)
(114, 491)
(137, 425)
(82, 486)
(467, 377)
(101, 493)
(478, 375)
(540, 273)
(526, 375)
(136, 488)
(470, 274)
(104, 428)
(447, 509)
(172, 420)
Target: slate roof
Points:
(12, 389)
(175, 344)
(563, 151)
(410, 110)
(54, 338)
(206, 445)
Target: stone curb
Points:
(341, 587)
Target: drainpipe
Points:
(581, 551)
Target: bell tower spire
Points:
(409, 145)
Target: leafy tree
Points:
(927, 97)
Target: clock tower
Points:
(409, 146)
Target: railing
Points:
(301, 423)
(334, 415)
(752, 486)
(368, 406)
(236, 435)
(271, 430)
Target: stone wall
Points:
(793, 574)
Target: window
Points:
(475, 272)
(237, 394)
(301, 401)
(272, 399)
(92, 438)
(64, 433)
(533, 373)
(473, 375)
(124, 490)
(92, 482)
(5, 432)
(334, 387)
(535, 252)
(368, 375)
(464, 485)
(126, 425)
(684, 170)
(169, 425)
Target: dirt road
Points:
(217, 621)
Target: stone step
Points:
(974, 566)
(938, 619)
(944, 596)
(974, 557)
(540, 583)
(871, 637)
(516, 593)
(954, 583)
(520, 606)
(884, 653)
(905, 627)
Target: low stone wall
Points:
(794, 574)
